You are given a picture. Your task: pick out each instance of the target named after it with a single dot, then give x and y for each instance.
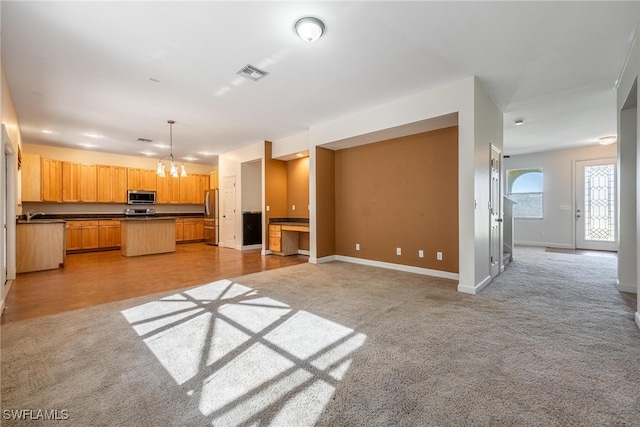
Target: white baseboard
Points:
(266, 252)
(547, 245)
(303, 252)
(474, 290)
(1, 306)
(626, 287)
(638, 319)
(399, 267)
(322, 260)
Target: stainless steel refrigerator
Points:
(211, 216)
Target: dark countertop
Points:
(89, 217)
(148, 218)
(42, 221)
(281, 221)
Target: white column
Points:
(627, 253)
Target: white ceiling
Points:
(122, 69)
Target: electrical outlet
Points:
(357, 246)
(293, 207)
(267, 208)
(439, 256)
(420, 253)
(398, 251)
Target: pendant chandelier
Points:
(173, 169)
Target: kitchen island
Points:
(147, 235)
(40, 245)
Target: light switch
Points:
(293, 207)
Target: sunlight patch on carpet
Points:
(246, 356)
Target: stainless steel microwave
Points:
(141, 197)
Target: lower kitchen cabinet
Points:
(82, 235)
(109, 233)
(189, 229)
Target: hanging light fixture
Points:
(173, 169)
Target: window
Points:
(525, 188)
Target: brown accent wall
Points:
(400, 193)
(325, 203)
(275, 180)
(298, 188)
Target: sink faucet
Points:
(33, 213)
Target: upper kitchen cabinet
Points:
(213, 179)
(141, 179)
(168, 190)
(31, 170)
(192, 188)
(79, 182)
(88, 183)
(112, 184)
(51, 180)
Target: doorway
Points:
(596, 227)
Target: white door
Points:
(596, 205)
(229, 211)
(495, 213)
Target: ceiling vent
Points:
(143, 140)
(251, 72)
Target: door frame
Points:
(495, 213)
(8, 194)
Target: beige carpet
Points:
(550, 342)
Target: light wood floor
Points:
(94, 278)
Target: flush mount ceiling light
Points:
(309, 28)
(173, 169)
(607, 140)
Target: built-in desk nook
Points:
(284, 237)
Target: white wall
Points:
(627, 172)
(290, 146)
(251, 173)
(557, 226)
(230, 164)
(625, 83)
(488, 125)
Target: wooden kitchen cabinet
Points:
(70, 182)
(275, 235)
(189, 229)
(31, 174)
(179, 230)
(88, 183)
(192, 189)
(51, 180)
(79, 182)
(109, 233)
(82, 234)
(193, 229)
(112, 184)
(141, 179)
(168, 190)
